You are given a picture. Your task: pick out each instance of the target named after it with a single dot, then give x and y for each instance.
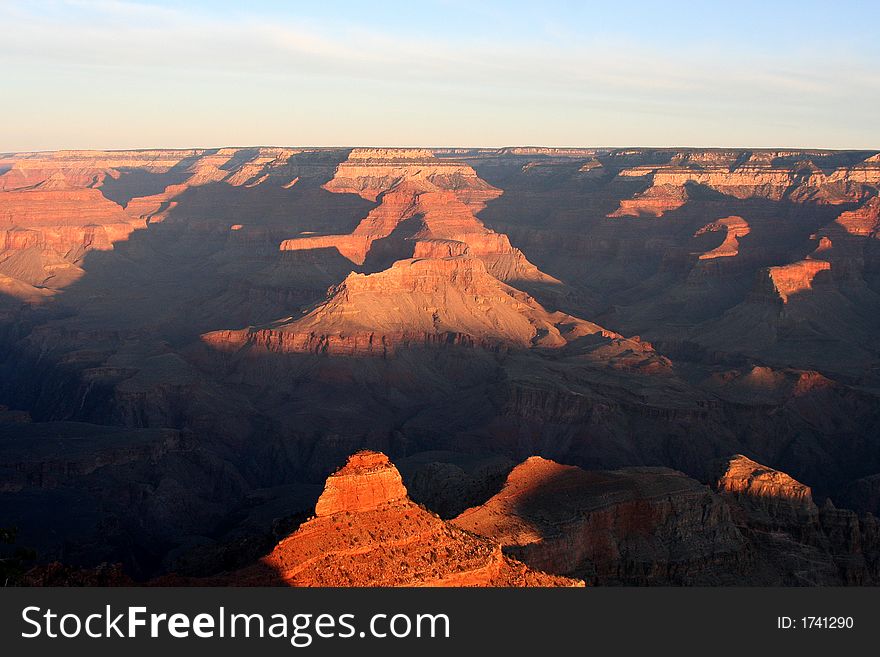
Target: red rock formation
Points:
(45, 230)
(370, 172)
(439, 248)
(822, 248)
(769, 489)
(366, 482)
(734, 228)
(762, 384)
(80, 169)
(796, 277)
(654, 202)
(792, 540)
(644, 525)
(16, 289)
(417, 302)
(117, 348)
(368, 533)
(864, 221)
(763, 175)
(442, 196)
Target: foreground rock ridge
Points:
(367, 532)
(192, 340)
(658, 526)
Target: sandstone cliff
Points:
(421, 199)
(366, 532)
(639, 526)
(794, 541)
(417, 302)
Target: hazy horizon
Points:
(782, 147)
(112, 75)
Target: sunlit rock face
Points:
(786, 529)
(734, 228)
(646, 525)
(864, 221)
(420, 301)
(796, 277)
(421, 199)
(779, 493)
(367, 532)
(366, 482)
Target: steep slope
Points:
(771, 492)
(46, 230)
(417, 302)
(643, 525)
(425, 203)
(657, 526)
(794, 541)
(366, 532)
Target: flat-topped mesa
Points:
(439, 248)
(391, 154)
(417, 302)
(53, 205)
(549, 151)
(796, 277)
(372, 172)
(653, 202)
(734, 228)
(85, 168)
(367, 532)
(365, 482)
(767, 489)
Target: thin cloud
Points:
(167, 38)
(310, 65)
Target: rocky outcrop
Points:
(767, 175)
(366, 482)
(109, 337)
(768, 491)
(638, 526)
(371, 172)
(796, 277)
(367, 532)
(862, 222)
(734, 228)
(435, 200)
(416, 302)
(45, 232)
(653, 202)
(794, 541)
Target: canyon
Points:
(614, 366)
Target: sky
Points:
(102, 74)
